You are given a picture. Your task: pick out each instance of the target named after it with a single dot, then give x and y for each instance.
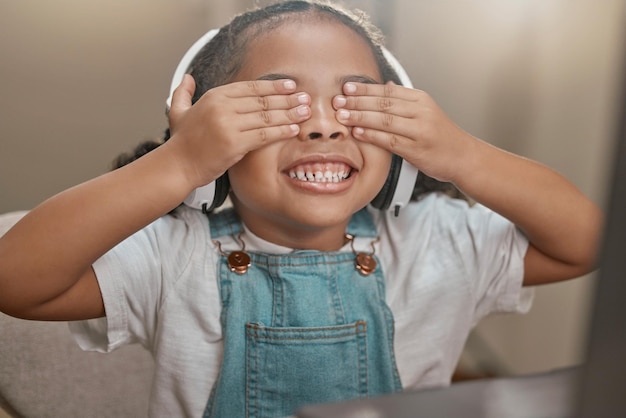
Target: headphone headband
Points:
(185, 62)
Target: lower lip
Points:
(320, 187)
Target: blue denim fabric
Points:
(300, 328)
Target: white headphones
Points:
(395, 194)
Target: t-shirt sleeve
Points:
(447, 264)
(134, 278)
(499, 248)
(454, 247)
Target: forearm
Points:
(557, 218)
(563, 226)
(45, 253)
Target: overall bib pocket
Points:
(288, 367)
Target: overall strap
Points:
(362, 225)
(225, 223)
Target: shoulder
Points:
(183, 230)
(164, 248)
(441, 210)
(434, 212)
(150, 273)
(442, 225)
(183, 220)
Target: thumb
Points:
(181, 100)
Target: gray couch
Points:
(43, 373)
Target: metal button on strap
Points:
(365, 264)
(239, 262)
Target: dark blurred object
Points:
(544, 395)
(603, 391)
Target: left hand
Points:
(406, 122)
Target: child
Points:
(302, 292)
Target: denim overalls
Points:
(300, 328)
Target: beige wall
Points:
(85, 80)
(539, 78)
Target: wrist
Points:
(165, 177)
(467, 163)
(179, 163)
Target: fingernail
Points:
(302, 110)
(357, 131)
(294, 128)
(340, 101)
(343, 114)
(289, 84)
(303, 98)
(349, 88)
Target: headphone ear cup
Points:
(210, 196)
(222, 187)
(385, 196)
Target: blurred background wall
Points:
(83, 80)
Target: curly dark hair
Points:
(229, 46)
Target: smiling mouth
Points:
(321, 172)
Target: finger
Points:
(398, 144)
(386, 122)
(258, 137)
(382, 104)
(268, 118)
(274, 102)
(260, 88)
(181, 98)
(381, 90)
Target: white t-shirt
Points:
(446, 265)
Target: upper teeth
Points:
(321, 175)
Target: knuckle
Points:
(388, 90)
(387, 120)
(262, 135)
(384, 103)
(263, 102)
(266, 117)
(417, 95)
(253, 85)
(292, 115)
(394, 141)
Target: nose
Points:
(323, 123)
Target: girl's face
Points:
(268, 192)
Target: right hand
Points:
(231, 120)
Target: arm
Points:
(46, 258)
(562, 225)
